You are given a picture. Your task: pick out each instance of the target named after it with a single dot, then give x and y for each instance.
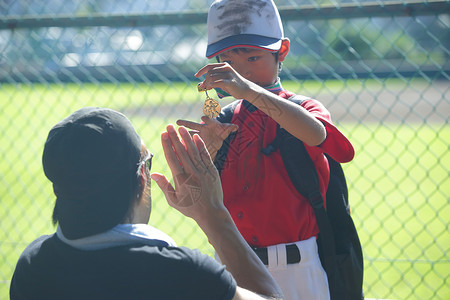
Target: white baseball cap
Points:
(241, 23)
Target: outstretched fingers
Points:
(190, 124)
(180, 150)
(171, 157)
(204, 154)
(207, 120)
(224, 129)
(192, 150)
(182, 168)
(207, 68)
(165, 186)
(216, 75)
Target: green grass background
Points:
(399, 181)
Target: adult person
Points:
(103, 247)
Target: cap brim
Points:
(243, 41)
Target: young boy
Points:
(247, 39)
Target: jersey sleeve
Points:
(336, 143)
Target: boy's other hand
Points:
(212, 132)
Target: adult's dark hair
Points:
(92, 157)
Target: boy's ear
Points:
(284, 49)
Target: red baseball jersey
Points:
(263, 202)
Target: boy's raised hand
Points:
(212, 132)
(223, 76)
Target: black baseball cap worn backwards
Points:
(91, 157)
(237, 24)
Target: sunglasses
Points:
(147, 161)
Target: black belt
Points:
(292, 254)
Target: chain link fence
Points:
(381, 68)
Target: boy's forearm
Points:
(292, 117)
(237, 256)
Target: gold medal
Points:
(211, 108)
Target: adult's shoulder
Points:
(24, 270)
(35, 246)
